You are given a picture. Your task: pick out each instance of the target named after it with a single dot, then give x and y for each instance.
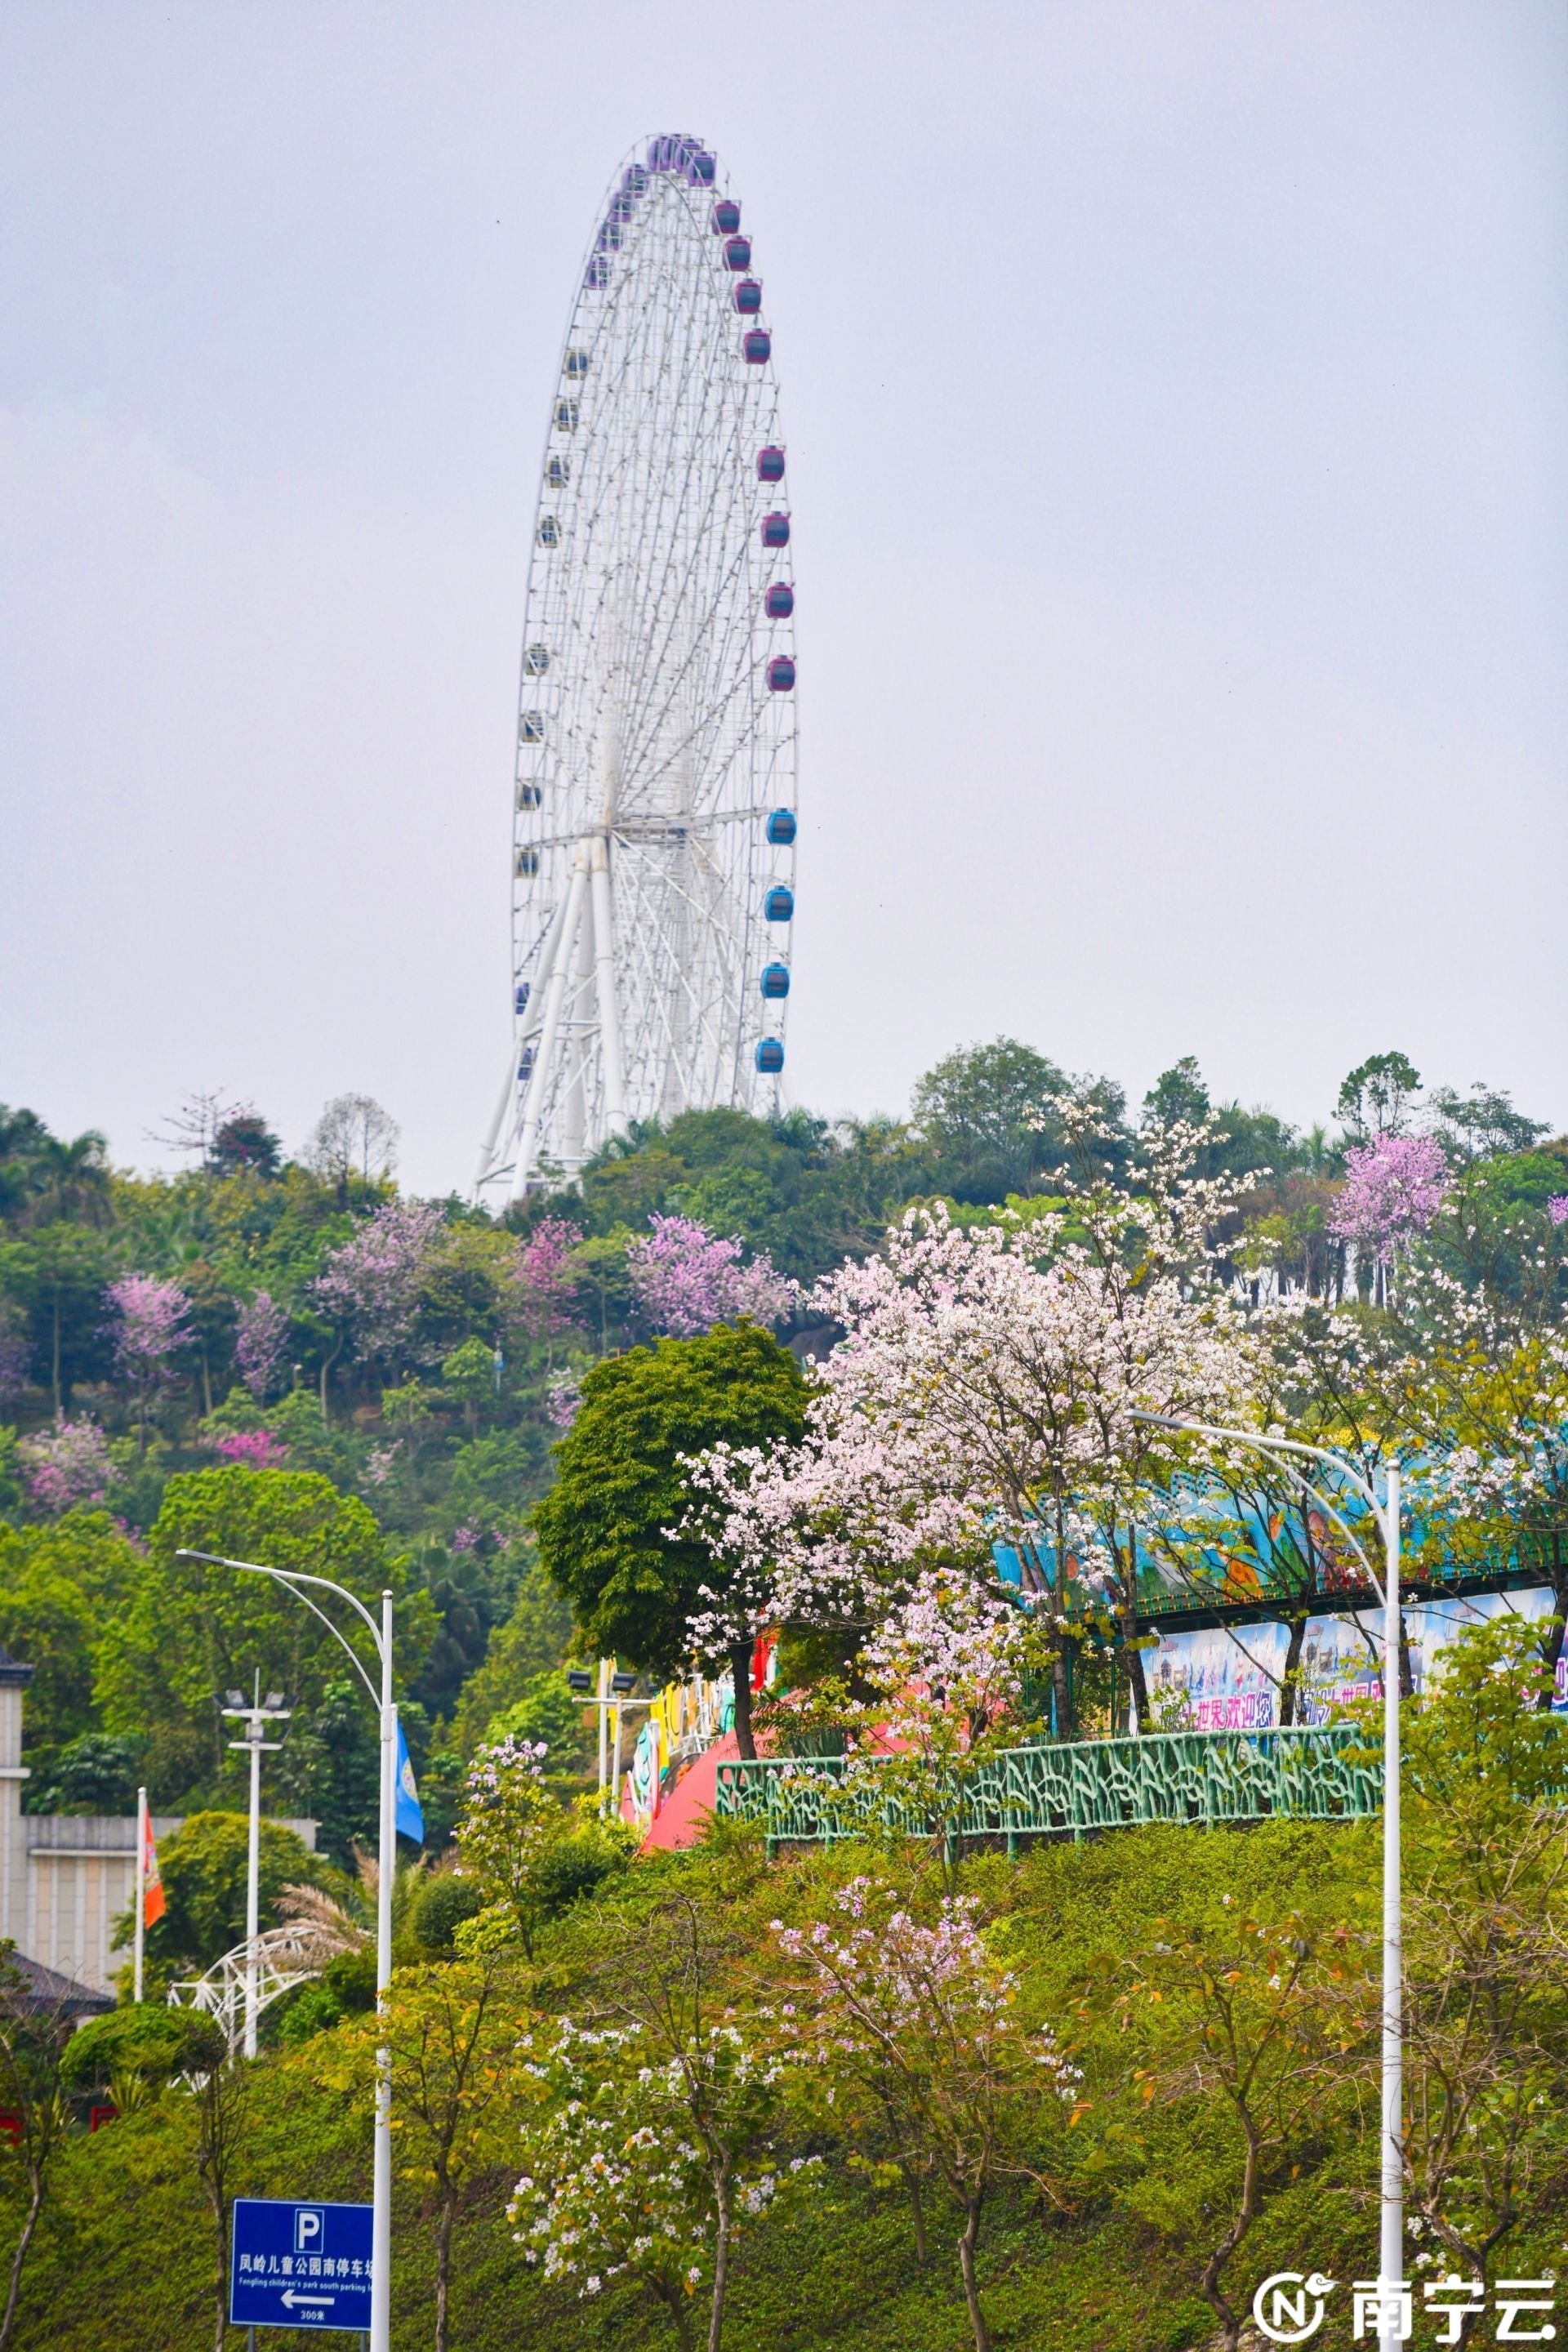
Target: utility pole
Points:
(256, 1745)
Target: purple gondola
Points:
(781, 674)
(726, 216)
(779, 602)
(770, 465)
(748, 297)
(756, 346)
(775, 531)
(738, 253)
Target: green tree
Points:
(1376, 1097)
(452, 2028)
(607, 1529)
(989, 1112)
(189, 1630)
(203, 1866)
(469, 1373)
(34, 2032)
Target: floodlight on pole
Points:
(256, 1745)
(1385, 1518)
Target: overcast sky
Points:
(1175, 397)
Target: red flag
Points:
(153, 1901)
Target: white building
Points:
(65, 1878)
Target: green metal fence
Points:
(1064, 1790)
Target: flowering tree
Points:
(371, 1285)
(655, 2122)
(511, 1820)
(255, 1449)
(262, 1332)
(543, 1279)
(645, 2164)
(686, 1279)
(66, 1465)
(989, 1390)
(1394, 1188)
(148, 1320)
(916, 2027)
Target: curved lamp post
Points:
(293, 1579)
(1385, 1516)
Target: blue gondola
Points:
(775, 531)
(775, 980)
(781, 828)
(557, 473)
(781, 674)
(527, 864)
(525, 1065)
(770, 1056)
(598, 270)
(699, 169)
(566, 416)
(530, 727)
(770, 465)
(548, 532)
(536, 660)
(726, 216)
(521, 997)
(757, 346)
(738, 253)
(576, 366)
(748, 297)
(528, 796)
(779, 602)
(778, 907)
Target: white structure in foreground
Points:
(653, 857)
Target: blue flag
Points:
(410, 1820)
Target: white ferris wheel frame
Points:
(657, 728)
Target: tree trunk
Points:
(1246, 2214)
(1290, 1690)
(55, 1362)
(673, 2302)
(1061, 1692)
(443, 2268)
(966, 2245)
(13, 2287)
(720, 2262)
(1557, 1624)
(917, 2214)
(741, 1666)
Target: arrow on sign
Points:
(289, 2298)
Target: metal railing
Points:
(1321, 1773)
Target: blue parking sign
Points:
(304, 2264)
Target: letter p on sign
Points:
(307, 2220)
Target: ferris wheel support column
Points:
(605, 991)
(553, 987)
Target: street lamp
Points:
(1386, 1516)
(614, 1693)
(255, 1744)
(292, 1580)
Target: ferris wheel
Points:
(653, 846)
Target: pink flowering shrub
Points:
(562, 1399)
(1557, 1208)
(147, 1320)
(1394, 1188)
(254, 1449)
(686, 1279)
(66, 1466)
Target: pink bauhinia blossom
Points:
(371, 1282)
(1394, 1188)
(1557, 1208)
(260, 1333)
(253, 1449)
(562, 1399)
(147, 1318)
(66, 1466)
(686, 1279)
(545, 1284)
